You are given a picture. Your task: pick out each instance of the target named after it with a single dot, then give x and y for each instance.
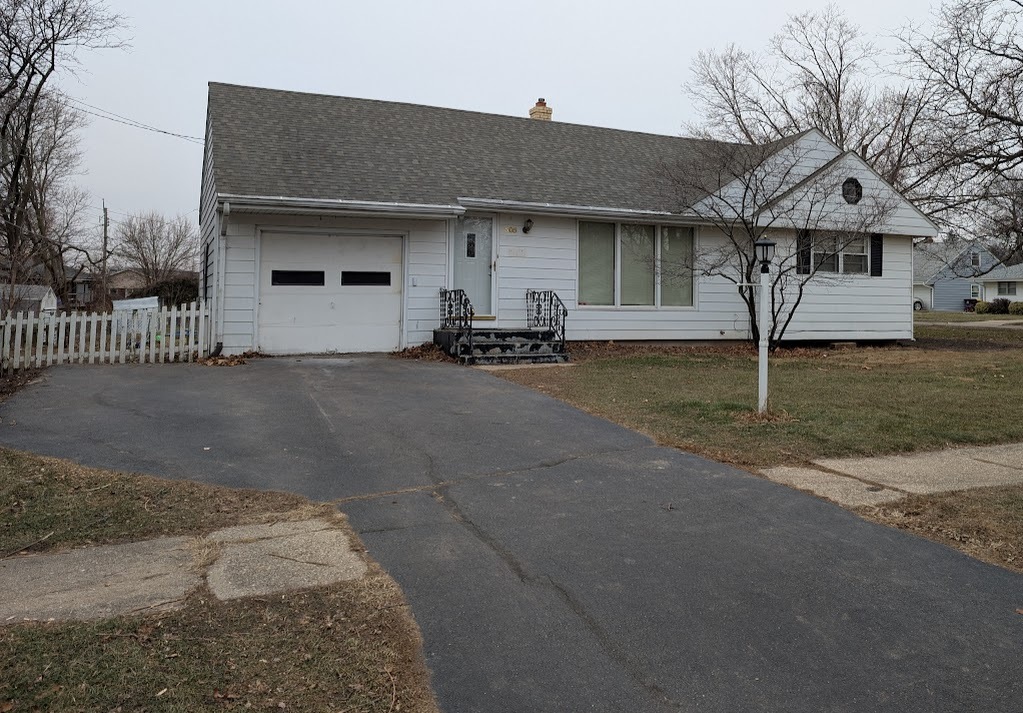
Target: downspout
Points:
(225, 214)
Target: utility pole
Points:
(103, 268)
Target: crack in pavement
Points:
(483, 476)
(607, 643)
(991, 462)
(604, 640)
(866, 481)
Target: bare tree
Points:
(55, 208)
(159, 248)
(971, 62)
(38, 38)
(821, 71)
(748, 192)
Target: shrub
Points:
(1016, 308)
(175, 291)
(982, 307)
(999, 305)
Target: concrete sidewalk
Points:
(157, 575)
(871, 481)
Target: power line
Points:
(119, 119)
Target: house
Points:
(1005, 282)
(945, 275)
(334, 224)
(122, 283)
(31, 299)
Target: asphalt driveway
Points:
(557, 562)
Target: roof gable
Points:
(943, 261)
(817, 200)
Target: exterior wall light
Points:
(528, 225)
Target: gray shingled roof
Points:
(287, 144)
(1009, 273)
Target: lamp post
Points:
(765, 253)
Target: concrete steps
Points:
(502, 346)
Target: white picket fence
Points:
(120, 337)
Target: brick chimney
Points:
(541, 112)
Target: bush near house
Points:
(1000, 305)
(1016, 308)
(177, 291)
(983, 307)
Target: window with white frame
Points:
(1006, 288)
(976, 291)
(635, 265)
(975, 259)
(846, 254)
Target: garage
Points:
(329, 293)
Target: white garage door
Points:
(329, 293)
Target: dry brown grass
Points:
(424, 352)
(71, 505)
(351, 646)
(986, 523)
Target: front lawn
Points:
(954, 386)
(925, 317)
(351, 646)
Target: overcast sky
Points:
(617, 64)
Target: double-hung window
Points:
(1006, 288)
(846, 254)
(635, 265)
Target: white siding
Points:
(209, 236)
(427, 260)
(818, 203)
(860, 307)
(991, 291)
(546, 259)
(839, 308)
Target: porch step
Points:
(517, 359)
(502, 346)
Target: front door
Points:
(474, 245)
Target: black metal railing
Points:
(456, 312)
(545, 310)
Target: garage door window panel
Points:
(297, 278)
(356, 278)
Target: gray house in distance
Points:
(944, 277)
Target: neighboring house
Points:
(121, 284)
(944, 277)
(33, 299)
(332, 224)
(1006, 282)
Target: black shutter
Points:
(876, 254)
(804, 246)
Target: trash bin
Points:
(970, 304)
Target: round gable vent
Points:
(852, 191)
